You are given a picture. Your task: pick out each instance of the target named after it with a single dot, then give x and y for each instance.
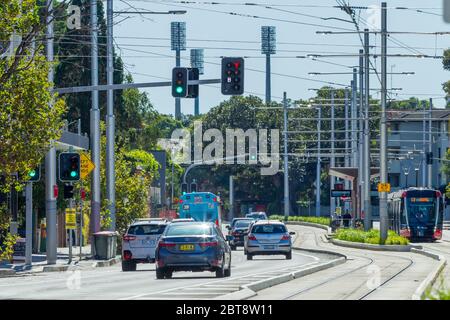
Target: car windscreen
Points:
(242, 224)
(269, 228)
(147, 229)
(189, 229)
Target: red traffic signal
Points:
(232, 81)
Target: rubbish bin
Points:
(105, 245)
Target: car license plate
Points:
(148, 242)
(187, 247)
(269, 247)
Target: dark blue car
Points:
(193, 246)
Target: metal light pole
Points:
(197, 62)
(95, 124)
(178, 43)
(366, 165)
(286, 172)
(50, 158)
(333, 158)
(268, 47)
(353, 122)
(384, 221)
(110, 120)
(347, 155)
(318, 165)
(430, 141)
(361, 135)
(29, 224)
(424, 145)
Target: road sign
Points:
(384, 187)
(341, 193)
(71, 219)
(86, 165)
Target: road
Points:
(112, 283)
(366, 275)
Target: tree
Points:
(30, 115)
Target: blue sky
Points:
(148, 56)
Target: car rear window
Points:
(242, 224)
(188, 229)
(147, 229)
(269, 228)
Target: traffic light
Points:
(193, 187)
(232, 76)
(68, 191)
(193, 89)
(180, 78)
(429, 157)
(69, 166)
(253, 157)
(35, 174)
(184, 188)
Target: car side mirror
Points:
(229, 238)
(291, 232)
(228, 227)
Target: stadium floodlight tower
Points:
(197, 62)
(178, 43)
(268, 47)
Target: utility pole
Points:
(29, 223)
(424, 145)
(318, 165)
(384, 221)
(197, 62)
(286, 172)
(231, 198)
(178, 43)
(50, 158)
(366, 165)
(268, 47)
(430, 145)
(333, 158)
(95, 125)
(361, 135)
(110, 120)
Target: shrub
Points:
(372, 237)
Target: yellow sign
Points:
(86, 165)
(71, 219)
(384, 187)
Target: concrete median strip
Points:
(7, 273)
(376, 247)
(431, 278)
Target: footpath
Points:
(39, 262)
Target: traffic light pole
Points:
(70, 231)
(361, 136)
(50, 158)
(29, 224)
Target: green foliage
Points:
(7, 240)
(28, 122)
(319, 220)
(372, 236)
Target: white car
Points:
(140, 241)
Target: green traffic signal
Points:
(179, 89)
(73, 174)
(32, 173)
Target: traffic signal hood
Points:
(68, 191)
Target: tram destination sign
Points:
(341, 193)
